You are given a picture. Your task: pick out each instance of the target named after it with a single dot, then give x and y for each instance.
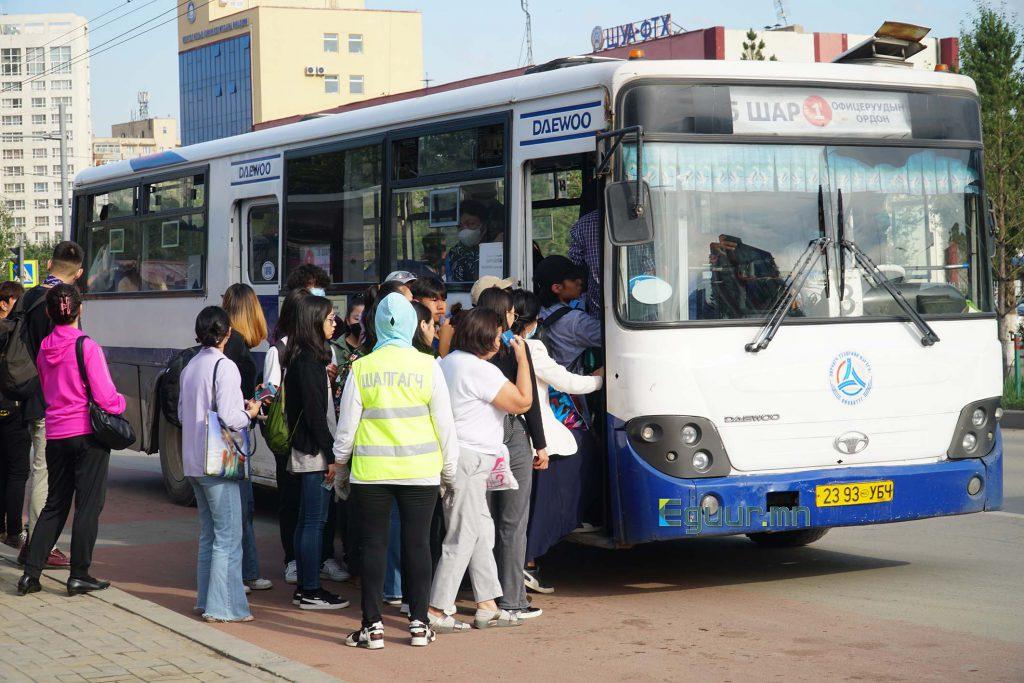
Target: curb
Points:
(200, 633)
(1012, 419)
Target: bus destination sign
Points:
(819, 112)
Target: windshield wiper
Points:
(878, 278)
(815, 250)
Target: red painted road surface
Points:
(862, 604)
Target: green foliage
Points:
(992, 53)
(1013, 399)
(754, 50)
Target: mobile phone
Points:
(506, 338)
(266, 391)
(328, 485)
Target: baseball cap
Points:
(555, 270)
(403, 276)
(488, 281)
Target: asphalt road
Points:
(927, 600)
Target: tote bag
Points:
(227, 452)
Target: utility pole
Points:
(65, 223)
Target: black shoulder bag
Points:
(112, 431)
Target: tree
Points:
(8, 240)
(991, 51)
(754, 50)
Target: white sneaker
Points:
(260, 584)
(333, 571)
(291, 573)
(420, 635)
(370, 637)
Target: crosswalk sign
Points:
(29, 275)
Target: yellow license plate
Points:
(855, 493)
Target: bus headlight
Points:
(701, 461)
(690, 434)
(975, 433)
(684, 446)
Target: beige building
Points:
(134, 139)
(242, 62)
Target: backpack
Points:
(170, 388)
(275, 428)
(543, 335)
(19, 378)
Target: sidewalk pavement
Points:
(114, 636)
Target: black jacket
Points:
(37, 327)
(237, 351)
(505, 359)
(305, 386)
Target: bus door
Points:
(260, 258)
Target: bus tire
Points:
(179, 490)
(787, 539)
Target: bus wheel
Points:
(787, 539)
(178, 489)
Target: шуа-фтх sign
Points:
(628, 34)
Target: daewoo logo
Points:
(851, 442)
(767, 417)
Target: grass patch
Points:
(1013, 399)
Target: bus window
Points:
(449, 226)
(333, 215)
(263, 242)
(556, 196)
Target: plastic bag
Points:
(501, 477)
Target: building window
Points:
(35, 60)
(39, 170)
(11, 86)
(12, 120)
(38, 102)
(41, 204)
(355, 85)
(331, 85)
(10, 61)
(14, 170)
(218, 90)
(15, 204)
(40, 187)
(38, 119)
(18, 222)
(60, 85)
(58, 203)
(330, 42)
(14, 188)
(42, 221)
(38, 152)
(14, 154)
(38, 85)
(11, 137)
(11, 103)
(355, 43)
(55, 118)
(60, 59)
(57, 101)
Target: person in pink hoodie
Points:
(77, 464)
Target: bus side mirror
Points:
(629, 212)
(993, 229)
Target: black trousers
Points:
(415, 509)
(76, 467)
(288, 490)
(15, 449)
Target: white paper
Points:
(492, 259)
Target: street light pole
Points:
(65, 224)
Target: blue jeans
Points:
(250, 556)
(314, 500)
(219, 589)
(393, 575)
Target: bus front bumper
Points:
(648, 505)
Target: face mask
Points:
(317, 291)
(529, 335)
(469, 237)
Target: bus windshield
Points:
(731, 220)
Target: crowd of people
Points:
(437, 444)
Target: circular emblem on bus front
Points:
(817, 111)
(190, 11)
(850, 378)
(597, 38)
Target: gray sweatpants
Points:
(470, 538)
(511, 512)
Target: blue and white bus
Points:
(808, 324)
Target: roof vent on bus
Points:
(566, 62)
(892, 45)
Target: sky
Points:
(463, 38)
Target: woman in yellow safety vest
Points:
(395, 442)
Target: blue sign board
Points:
(629, 34)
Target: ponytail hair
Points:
(63, 304)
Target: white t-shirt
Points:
(472, 384)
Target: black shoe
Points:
(27, 584)
(86, 585)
